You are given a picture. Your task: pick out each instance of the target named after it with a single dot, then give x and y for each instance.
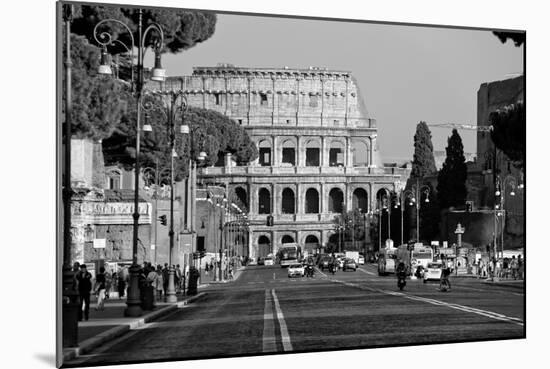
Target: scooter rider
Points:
(445, 272)
(401, 272)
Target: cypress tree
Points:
(423, 160)
(451, 181)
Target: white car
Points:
(433, 272)
(361, 260)
(268, 261)
(296, 270)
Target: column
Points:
(299, 199)
(274, 152)
(349, 161)
(299, 155)
(324, 152)
(322, 199)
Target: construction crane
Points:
(463, 126)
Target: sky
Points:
(406, 73)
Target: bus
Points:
(289, 253)
(421, 256)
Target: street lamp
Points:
(415, 196)
(105, 39)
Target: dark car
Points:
(324, 262)
(349, 264)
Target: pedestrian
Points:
(121, 283)
(108, 284)
(76, 270)
(100, 282)
(514, 267)
(84, 279)
(521, 267)
(165, 276)
(156, 280)
(177, 278)
(505, 265)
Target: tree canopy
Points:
(451, 181)
(423, 160)
(210, 131)
(517, 37)
(182, 29)
(508, 132)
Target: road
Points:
(264, 312)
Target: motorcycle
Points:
(332, 268)
(309, 271)
(401, 280)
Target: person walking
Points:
(84, 279)
(100, 283)
(177, 278)
(108, 284)
(159, 282)
(121, 283)
(165, 276)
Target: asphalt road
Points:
(264, 311)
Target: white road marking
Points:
(319, 271)
(268, 339)
(468, 309)
(287, 345)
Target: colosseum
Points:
(318, 151)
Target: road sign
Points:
(99, 243)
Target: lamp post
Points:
(70, 303)
(414, 193)
(105, 39)
(158, 176)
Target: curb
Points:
(115, 332)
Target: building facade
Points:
(318, 152)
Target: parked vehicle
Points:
(361, 260)
(261, 261)
(353, 255)
(349, 264)
(433, 272)
(268, 261)
(296, 270)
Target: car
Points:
(433, 272)
(296, 270)
(268, 261)
(324, 262)
(361, 260)
(349, 264)
(261, 261)
(340, 261)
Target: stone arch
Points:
(360, 200)
(313, 152)
(265, 150)
(288, 152)
(242, 195)
(288, 201)
(113, 177)
(311, 242)
(360, 153)
(264, 246)
(336, 152)
(287, 239)
(336, 200)
(264, 201)
(312, 201)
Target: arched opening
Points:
(336, 154)
(288, 156)
(360, 154)
(264, 246)
(264, 150)
(312, 201)
(114, 179)
(288, 203)
(336, 201)
(313, 150)
(287, 239)
(333, 243)
(360, 200)
(242, 196)
(264, 201)
(311, 243)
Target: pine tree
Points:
(451, 181)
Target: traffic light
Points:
(270, 220)
(201, 254)
(469, 206)
(162, 219)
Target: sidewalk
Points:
(110, 323)
(508, 282)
